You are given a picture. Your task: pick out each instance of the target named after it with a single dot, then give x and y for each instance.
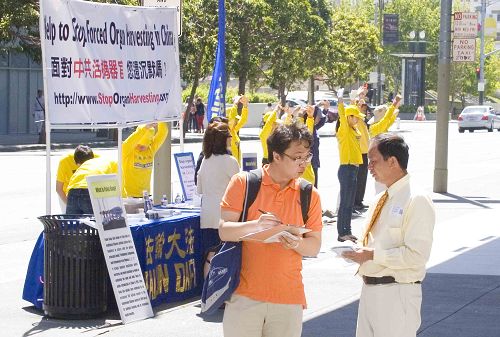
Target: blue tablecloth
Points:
(169, 252)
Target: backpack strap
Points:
(254, 179)
(305, 198)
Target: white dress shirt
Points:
(213, 177)
(402, 235)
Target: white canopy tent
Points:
(107, 66)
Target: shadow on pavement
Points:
(46, 324)
(465, 305)
(457, 199)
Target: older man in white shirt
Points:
(396, 246)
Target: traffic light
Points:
(478, 73)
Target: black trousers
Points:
(315, 169)
(361, 184)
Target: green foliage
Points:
(407, 108)
(261, 97)
(414, 15)
(199, 38)
(410, 108)
(203, 89)
(354, 47)
(430, 109)
(293, 33)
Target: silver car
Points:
(477, 117)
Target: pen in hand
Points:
(264, 212)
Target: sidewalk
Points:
(461, 292)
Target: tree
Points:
(197, 44)
(414, 15)
(354, 46)
(292, 30)
(245, 45)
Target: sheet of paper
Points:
(272, 234)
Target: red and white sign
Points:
(465, 25)
(464, 50)
(109, 64)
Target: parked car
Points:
(333, 114)
(293, 102)
(478, 117)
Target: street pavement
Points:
(461, 291)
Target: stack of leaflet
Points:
(184, 207)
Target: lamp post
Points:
(480, 84)
(380, 19)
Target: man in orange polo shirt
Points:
(270, 297)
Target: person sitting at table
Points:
(216, 170)
(78, 193)
(137, 157)
(67, 166)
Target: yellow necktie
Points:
(375, 216)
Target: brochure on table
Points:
(119, 249)
(184, 162)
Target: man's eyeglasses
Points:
(300, 160)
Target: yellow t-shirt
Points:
(385, 123)
(91, 167)
(235, 125)
(348, 139)
(266, 131)
(309, 172)
(66, 168)
(364, 141)
(138, 165)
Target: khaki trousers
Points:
(244, 317)
(389, 310)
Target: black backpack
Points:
(254, 181)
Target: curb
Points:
(95, 144)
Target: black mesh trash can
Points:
(75, 273)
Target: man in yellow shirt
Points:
(78, 193)
(67, 166)
(348, 137)
(138, 155)
(364, 141)
(235, 123)
(270, 122)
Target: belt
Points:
(382, 280)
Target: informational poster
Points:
(391, 29)
(108, 63)
(119, 249)
(186, 168)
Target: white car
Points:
(478, 117)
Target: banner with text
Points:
(186, 167)
(118, 247)
(106, 63)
